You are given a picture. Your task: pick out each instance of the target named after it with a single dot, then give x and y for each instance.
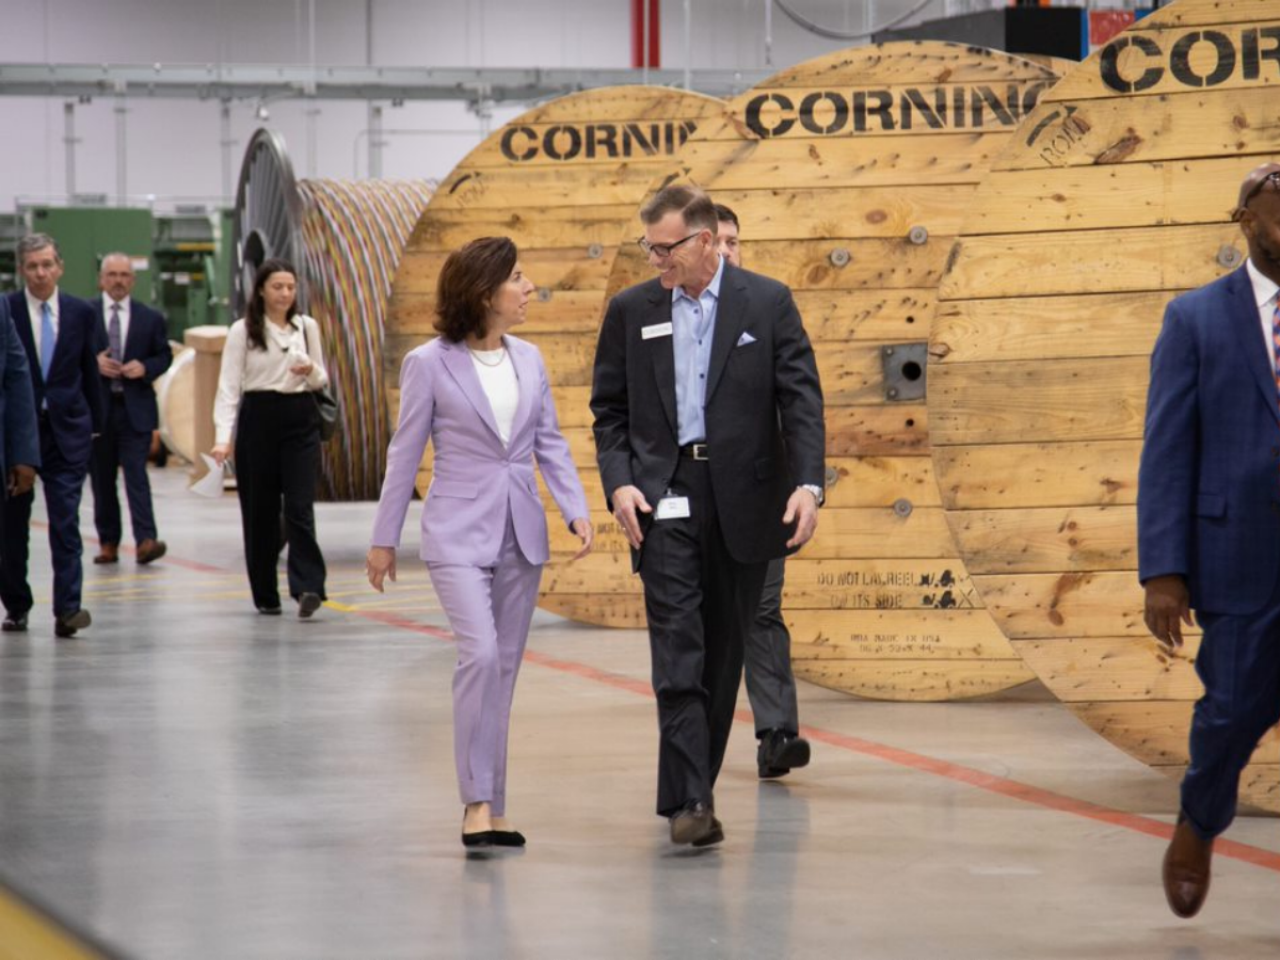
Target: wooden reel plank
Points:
(851, 175)
(1114, 197)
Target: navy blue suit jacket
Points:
(20, 443)
(148, 342)
(73, 393)
(1209, 484)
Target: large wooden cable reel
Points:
(345, 239)
(564, 181)
(850, 174)
(1114, 197)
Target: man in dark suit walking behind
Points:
(1209, 522)
(59, 334)
(133, 349)
(710, 441)
(19, 434)
(771, 683)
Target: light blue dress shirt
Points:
(693, 326)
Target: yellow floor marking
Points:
(29, 934)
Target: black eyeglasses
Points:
(1272, 178)
(663, 250)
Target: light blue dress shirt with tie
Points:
(693, 325)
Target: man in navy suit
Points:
(1209, 522)
(59, 334)
(19, 435)
(133, 349)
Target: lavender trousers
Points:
(489, 610)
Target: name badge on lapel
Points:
(656, 330)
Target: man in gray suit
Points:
(771, 684)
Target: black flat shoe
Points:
(270, 611)
(15, 623)
(483, 838)
(507, 838)
(308, 604)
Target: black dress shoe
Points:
(66, 624)
(482, 838)
(308, 604)
(507, 838)
(14, 623)
(780, 752)
(692, 823)
(270, 611)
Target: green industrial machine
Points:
(182, 260)
(12, 227)
(193, 264)
(85, 234)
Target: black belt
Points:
(695, 451)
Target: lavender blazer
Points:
(476, 481)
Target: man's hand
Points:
(626, 501)
(583, 530)
(133, 370)
(220, 453)
(380, 563)
(802, 507)
(1168, 606)
(108, 367)
(21, 479)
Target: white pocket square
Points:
(745, 339)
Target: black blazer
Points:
(148, 341)
(72, 394)
(765, 430)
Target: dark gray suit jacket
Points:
(765, 430)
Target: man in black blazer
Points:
(59, 334)
(771, 683)
(710, 441)
(133, 349)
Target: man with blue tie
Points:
(59, 334)
(1209, 522)
(133, 350)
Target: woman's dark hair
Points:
(468, 282)
(256, 315)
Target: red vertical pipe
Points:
(655, 33)
(637, 34)
(639, 29)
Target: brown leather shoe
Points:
(149, 550)
(1186, 870)
(110, 554)
(692, 824)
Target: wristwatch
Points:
(815, 490)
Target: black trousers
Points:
(121, 447)
(277, 463)
(701, 604)
(771, 684)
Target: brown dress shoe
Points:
(149, 550)
(694, 823)
(1186, 870)
(110, 554)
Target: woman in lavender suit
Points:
(481, 396)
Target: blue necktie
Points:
(48, 339)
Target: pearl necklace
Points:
(475, 355)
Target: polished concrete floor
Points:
(190, 780)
